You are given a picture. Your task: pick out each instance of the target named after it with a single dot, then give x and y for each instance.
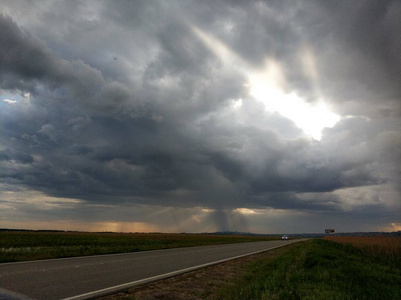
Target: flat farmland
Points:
(330, 268)
(26, 245)
(383, 248)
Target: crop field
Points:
(323, 269)
(381, 247)
(26, 245)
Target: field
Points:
(322, 269)
(26, 245)
(382, 248)
(330, 268)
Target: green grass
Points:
(22, 246)
(318, 269)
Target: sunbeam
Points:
(269, 86)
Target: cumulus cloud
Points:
(149, 107)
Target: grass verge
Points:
(199, 284)
(318, 269)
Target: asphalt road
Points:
(85, 277)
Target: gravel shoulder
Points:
(199, 284)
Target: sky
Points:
(200, 116)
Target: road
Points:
(85, 277)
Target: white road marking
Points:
(162, 276)
(87, 256)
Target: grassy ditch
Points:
(318, 269)
(22, 246)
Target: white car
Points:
(285, 237)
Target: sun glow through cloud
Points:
(268, 87)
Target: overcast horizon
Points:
(200, 116)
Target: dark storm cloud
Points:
(129, 106)
(371, 30)
(28, 65)
(356, 46)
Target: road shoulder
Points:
(199, 284)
